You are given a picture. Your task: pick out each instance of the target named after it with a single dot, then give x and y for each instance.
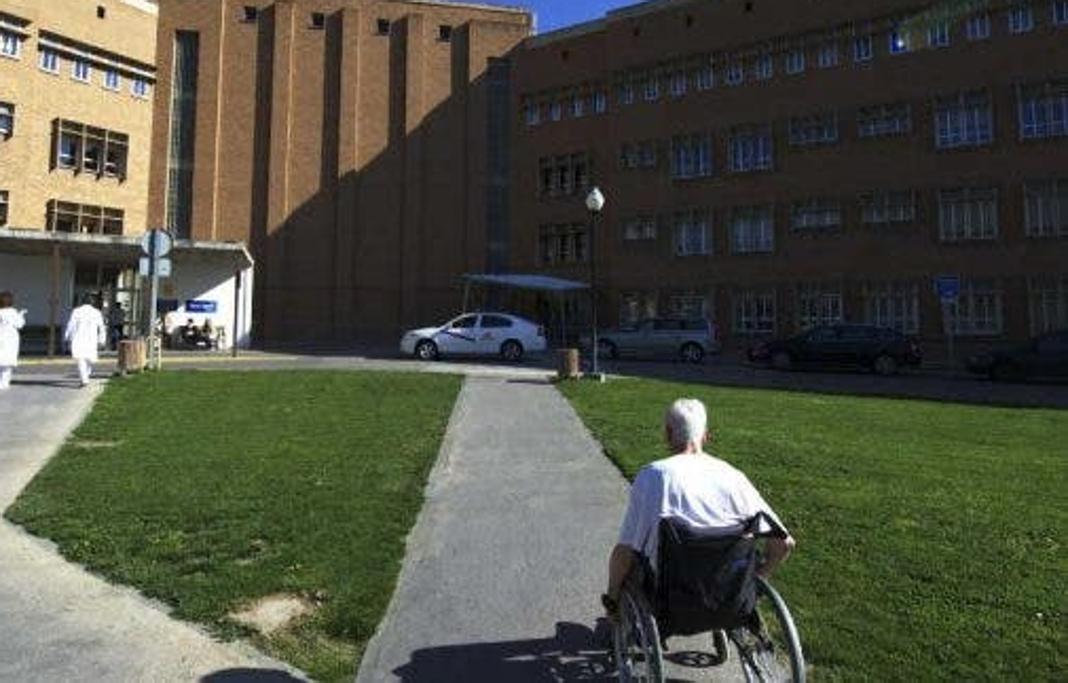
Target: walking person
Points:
(11, 321)
(117, 324)
(86, 333)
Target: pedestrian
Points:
(117, 323)
(11, 321)
(86, 333)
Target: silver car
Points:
(689, 340)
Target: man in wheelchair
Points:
(695, 519)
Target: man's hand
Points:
(611, 607)
(777, 550)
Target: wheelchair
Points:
(706, 583)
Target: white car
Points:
(476, 334)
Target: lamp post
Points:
(594, 204)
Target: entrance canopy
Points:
(537, 283)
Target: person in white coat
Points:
(86, 333)
(11, 321)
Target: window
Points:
(678, 84)
(600, 102)
(87, 149)
(977, 310)
(688, 306)
(816, 214)
(646, 152)
(735, 73)
(977, 27)
(1060, 12)
(49, 61)
(382, 27)
(636, 306)
(556, 110)
(863, 49)
(580, 172)
(468, 322)
(884, 120)
(249, 14)
(7, 119)
(562, 171)
(3, 207)
(495, 322)
(752, 230)
(639, 228)
(691, 156)
(139, 87)
(181, 148)
(1043, 110)
(893, 304)
(562, 244)
(967, 214)
(626, 93)
(445, 33)
(750, 149)
(827, 57)
(818, 307)
(651, 91)
(938, 34)
(888, 207)
(10, 44)
(964, 120)
(1046, 208)
(101, 12)
(532, 113)
(1048, 304)
(80, 70)
(546, 177)
(691, 233)
(1021, 19)
(704, 76)
(578, 106)
(814, 129)
(318, 20)
(898, 42)
(754, 312)
(795, 61)
(763, 67)
(112, 80)
(83, 218)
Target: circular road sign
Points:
(164, 242)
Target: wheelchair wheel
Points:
(769, 646)
(636, 640)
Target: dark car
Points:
(879, 348)
(1043, 357)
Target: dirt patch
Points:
(273, 612)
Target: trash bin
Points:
(567, 364)
(132, 355)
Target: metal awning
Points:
(538, 283)
(124, 248)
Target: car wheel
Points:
(782, 360)
(426, 350)
(607, 349)
(692, 353)
(512, 351)
(885, 365)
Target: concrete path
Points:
(60, 623)
(508, 557)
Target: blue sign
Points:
(201, 306)
(948, 287)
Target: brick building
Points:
(360, 147)
(777, 164)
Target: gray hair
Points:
(687, 422)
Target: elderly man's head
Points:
(686, 425)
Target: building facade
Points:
(776, 165)
(360, 147)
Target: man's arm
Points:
(776, 551)
(619, 565)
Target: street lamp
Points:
(594, 204)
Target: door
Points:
(666, 337)
(493, 330)
(458, 336)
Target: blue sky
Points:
(554, 14)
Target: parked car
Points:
(1045, 356)
(879, 348)
(690, 340)
(476, 334)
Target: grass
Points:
(209, 490)
(930, 536)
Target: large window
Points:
(639, 228)
(625, 93)
(814, 129)
(1021, 19)
(938, 34)
(7, 119)
(794, 62)
(49, 61)
(827, 56)
(1043, 109)
(884, 120)
(81, 70)
(1046, 208)
(893, 304)
(863, 49)
(689, 305)
(678, 83)
(977, 27)
(651, 87)
(112, 80)
(1060, 12)
(1048, 303)
(691, 156)
(10, 44)
(634, 155)
(977, 310)
(563, 175)
(87, 149)
(817, 306)
(754, 311)
(882, 207)
(816, 214)
(636, 306)
(181, 155)
(750, 149)
(752, 230)
(704, 75)
(763, 67)
(691, 233)
(83, 218)
(532, 113)
(964, 120)
(563, 244)
(3, 207)
(967, 214)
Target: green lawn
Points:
(931, 537)
(206, 490)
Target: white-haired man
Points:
(693, 487)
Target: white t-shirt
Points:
(703, 491)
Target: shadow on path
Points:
(249, 676)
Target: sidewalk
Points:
(61, 623)
(509, 555)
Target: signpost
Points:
(155, 244)
(948, 288)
